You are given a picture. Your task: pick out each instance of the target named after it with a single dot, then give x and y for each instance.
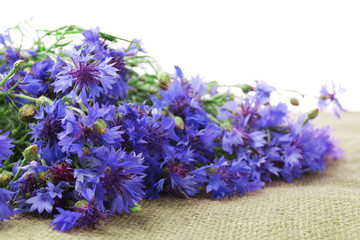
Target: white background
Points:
(289, 44)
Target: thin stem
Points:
(15, 85)
(19, 170)
(214, 119)
(8, 76)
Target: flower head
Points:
(227, 178)
(122, 180)
(86, 77)
(46, 130)
(330, 98)
(80, 131)
(5, 210)
(42, 201)
(5, 146)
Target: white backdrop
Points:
(290, 44)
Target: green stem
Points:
(8, 76)
(18, 96)
(306, 120)
(214, 119)
(295, 91)
(13, 87)
(19, 170)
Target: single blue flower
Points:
(79, 130)
(56, 191)
(46, 131)
(329, 98)
(42, 201)
(226, 178)
(86, 77)
(5, 210)
(122, 180)
(65, 220)
(5, 146)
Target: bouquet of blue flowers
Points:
(89, 128)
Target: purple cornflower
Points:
(86, 77)
(61, 172)
(5, 146)
(46, 131)
(5, 210)
(329, 98)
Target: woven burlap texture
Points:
(314, 207)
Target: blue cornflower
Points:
(97, 47)
(120, 87)
(28, 86)
(202, 142)
(81, 130)
(11, 55)
(272, 116)
(180, 176)
(65, 220)
(5, 210)
(46, 131)
(247, 110)
(90, 215)
(184, 103)
(42, 201)
(5, 146)
(29, 178)
(237, 138)
(329, 98)
(56, 191)
(85, 77)
(263, 91)
(227, 178)
(42, 71)
(122, 180)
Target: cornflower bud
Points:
(246, 87)
(164, 80)
(43, 100)
(27, 113)
(30, 153)
(179, 123)
(81, 204)
(5, 178)
(18, 65)
(313, 114)
(100, 126)
(294, 101)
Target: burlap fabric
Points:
(314, 207)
